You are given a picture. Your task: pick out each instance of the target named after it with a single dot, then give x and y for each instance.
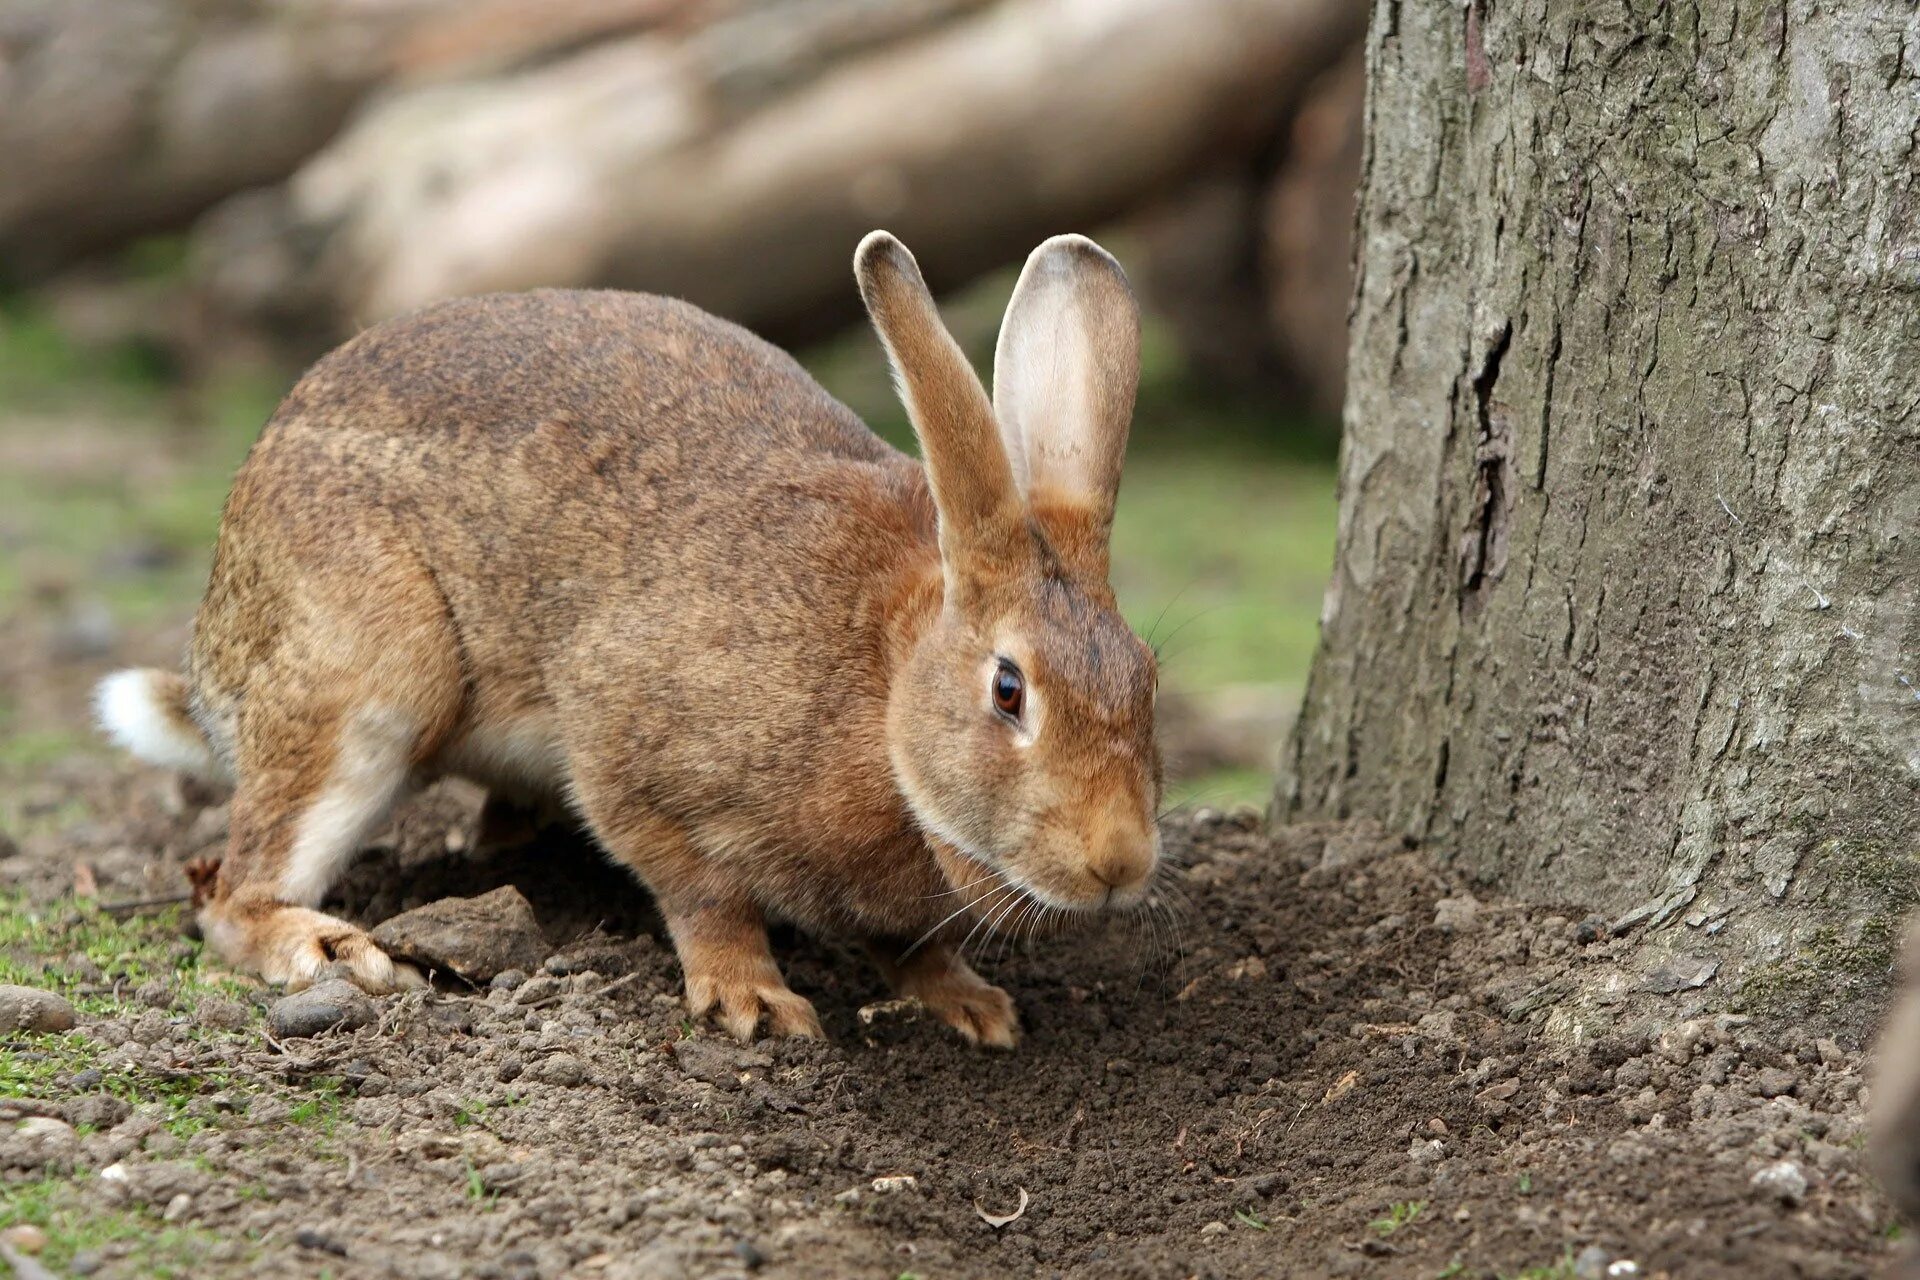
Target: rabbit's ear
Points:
(981, 515)
(1064, 377)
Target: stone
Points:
(1452, 915)
(98, 1111)
(720, 1065)
(1682, 973)
(1592, 1263)
(563, 1069)
(218, 1013)
(40, 1142)
(473, 939)
(31, 1009)
(27, 1238)
(1783, 1181)
(1772, 1082)
(321, 1007)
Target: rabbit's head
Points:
(1021, 726)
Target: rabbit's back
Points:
(592, 487)
(485, 370)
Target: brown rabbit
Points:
(606, 547)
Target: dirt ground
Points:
(1339, 1063)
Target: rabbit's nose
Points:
(1124, 859)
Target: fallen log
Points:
(643, 163)
(134, 116)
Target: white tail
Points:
(145, 711)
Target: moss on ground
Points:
(98, 960)
(143, 1243)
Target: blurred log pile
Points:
(333, 162)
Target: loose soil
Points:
(1334, 1062)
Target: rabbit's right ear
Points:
(1064, 376)
(982, 519)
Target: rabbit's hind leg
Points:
(299, 816)
(338, 687)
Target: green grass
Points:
(1402, 1213)
(1561, 1270)
(37, 946)
(143, 1244)
(322, 1108)
(38, 1066)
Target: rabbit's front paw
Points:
(961, 998)
(739, 1002)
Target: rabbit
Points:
(606, 547)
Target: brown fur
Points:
(607, 546)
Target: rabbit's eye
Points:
(1009, 690)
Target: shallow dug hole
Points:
(1336, 1065)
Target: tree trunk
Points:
(1625, 605)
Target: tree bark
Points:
(639, 164)
(1626, 609)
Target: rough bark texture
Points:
(1625, 604)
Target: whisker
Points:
(991, 874)
(1000, 908)
(957, 911)
(1159, 648)
(1162, 616)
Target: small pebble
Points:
(1783, 1181)
(1772, 1082)
(30, 1009)
(27, 1238)
(221, 1014)
(563, 1069)
(1214, 1229)
(1592, 1263)
(333, 1003)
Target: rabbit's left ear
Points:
(1064, 376)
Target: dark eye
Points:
(1009, 690)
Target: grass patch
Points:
(1403, 1213)
(96, 960)
(44, 1066)
(322, 1107)
(141, 1243)
(1561, 1270)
